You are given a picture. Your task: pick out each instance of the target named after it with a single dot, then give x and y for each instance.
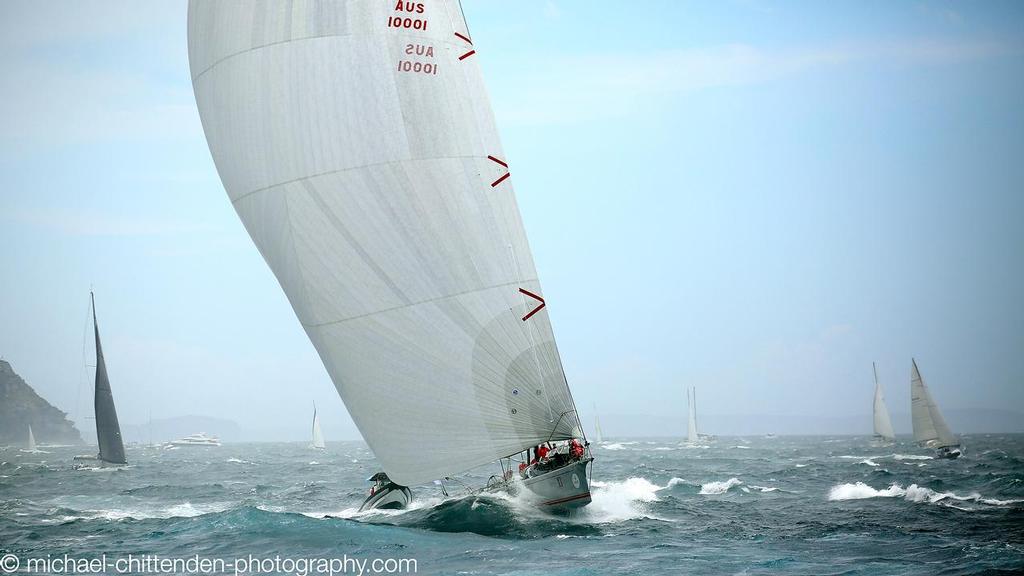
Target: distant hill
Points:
(20, 407)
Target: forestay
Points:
(357, 144)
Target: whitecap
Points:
(719, 487)
(911, 457)
(912, 493)
(618, 501)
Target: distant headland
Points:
(21, 407)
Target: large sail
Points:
(357, 145)
(691, 429)
(883, 424)
(31, 439)
(318, 435)
(108, 431)
(930, 427)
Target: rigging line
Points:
(568, 391)
(464, 21)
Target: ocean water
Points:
(792, 505)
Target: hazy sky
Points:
(755, 198)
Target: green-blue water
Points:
(794, 505)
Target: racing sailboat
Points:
(318, 435)
(691, 429)
(884, 434)
(597, 426)
(930, 429)
(108, 431)
(357, 144)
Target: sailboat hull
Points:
(87, 461)
(949, 452)
(393, 497)
(562, 489)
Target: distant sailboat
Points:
(597, 426)
(930, 429)
(318, 435)
(883, 425)
(31, 440)
(359, 148)
(691, 430)
(108, 431)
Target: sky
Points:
(755, 198)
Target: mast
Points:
(108, 431)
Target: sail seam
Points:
(340, 170)
(411, 304)
(223, 59)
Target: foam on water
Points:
(618, 501)
(912, 493)
(911, 457)
(719, 487)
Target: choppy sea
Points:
(792, 505)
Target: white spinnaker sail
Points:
(365, 163)
(318, 435)
(930, 427)
(691, 429)
(31, 439)
(883, 424)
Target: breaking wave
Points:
(912, 493)
(719, 487)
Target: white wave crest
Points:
(910, 457)
(719, 487)
(615, 446)
(912, 493)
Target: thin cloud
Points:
(92, 223)
(592, 87)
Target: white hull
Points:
(560, 490)
(394, 497)
(195, 444)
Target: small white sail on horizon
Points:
(883, 424)
(597, 426)
(31, 440)
(930, 428)
(318, 435)
(692, 436)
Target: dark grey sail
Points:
(108, 431)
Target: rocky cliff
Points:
(20, 407)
